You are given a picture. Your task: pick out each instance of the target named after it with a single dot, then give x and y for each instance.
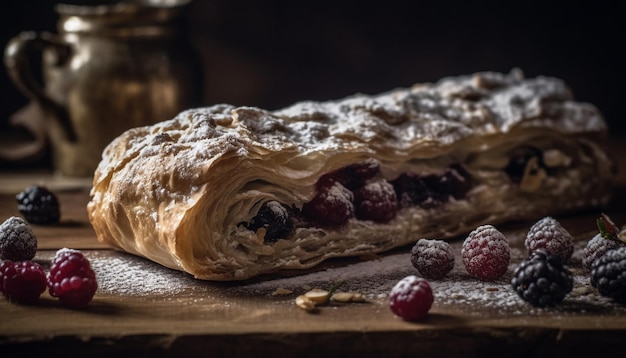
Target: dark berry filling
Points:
(277, 220)
(432, 189)
(352, 176)
(331, 207)
(357, 191)
(376, 201)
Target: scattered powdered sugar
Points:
(121, 274)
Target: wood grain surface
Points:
(145, 309)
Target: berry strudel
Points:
(228, 193)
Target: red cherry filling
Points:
(352, 176)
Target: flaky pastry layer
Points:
(184, 192)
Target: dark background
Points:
(272, 53)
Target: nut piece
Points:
(317, 295)
(533, 175)
(347, 297)
(281, 292)
(305, 303)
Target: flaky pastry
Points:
(229, 193)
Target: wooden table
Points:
(146, 309)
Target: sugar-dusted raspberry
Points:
(376, 201)
(486, 253)
(71, 278)
(411, 298)
(331, 207)
(548, 234)
(607, 239)
(22, 281)
(432, 258)
(17, 241)
(39, 205)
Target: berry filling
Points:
(359, 191)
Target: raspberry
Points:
(71, 278)
(411, 298)
(331, 207)
(548, 234)
(433, 259)
(542, 280)
(17, 241)
(605, 240)
(376, 201)
(38, 205)
(608, 274)
(22, 281)
(486, 253)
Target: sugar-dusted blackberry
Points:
(22, 281)
(411, 298)
(17, 240)
(39, 205)
(607, 239)
(542, 280)
(432, 258)
(351, 176)
(550, 235)
(331, 207)
(71, 278)
(608, 274)
(276, 219)
(486, 253)
(375, 201)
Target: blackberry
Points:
(71, 278)
(38, 205)
(17, 241)
(22, 281)
(550, 235)
(276, 219)
(486, 253)
(433, 259)
(542, 280)
(411, 298)
(608, 274)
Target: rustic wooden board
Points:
(144, 308)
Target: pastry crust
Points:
(180, 192)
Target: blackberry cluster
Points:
(542, 280)
(608, 274)
(39, 205)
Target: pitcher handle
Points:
(17, 60)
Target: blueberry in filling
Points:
(277, 220)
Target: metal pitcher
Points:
(111, 67)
